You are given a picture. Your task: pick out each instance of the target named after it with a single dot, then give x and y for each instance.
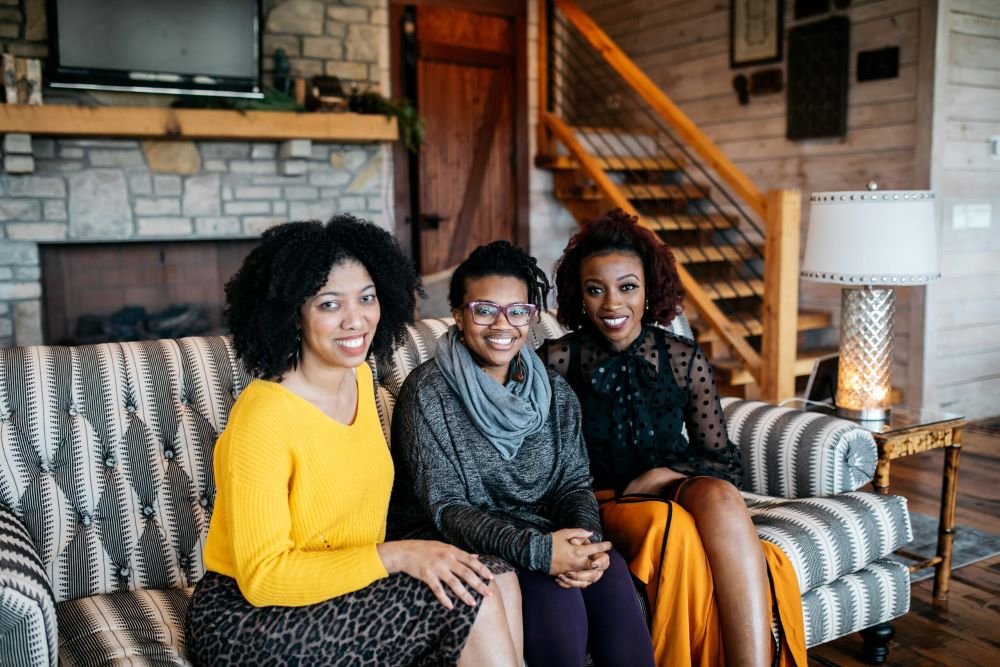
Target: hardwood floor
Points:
(967, 631)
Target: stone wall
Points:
(102, 190)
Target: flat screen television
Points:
(195, 47)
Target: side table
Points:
(912, 431)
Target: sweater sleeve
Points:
(573, 502)
(428, 450)
(254, 473)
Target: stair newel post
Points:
(781, 294)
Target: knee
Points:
(709, 495)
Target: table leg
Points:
(946, 525)
(880, 482)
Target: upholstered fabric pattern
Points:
(826, 538)
(794, 454)
(27, 606)
(107, 457)
(875, 594)
(131, 627)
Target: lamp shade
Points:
(872, 238)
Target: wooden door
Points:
(466, 182)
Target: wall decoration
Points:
(767, 81)
(818, 56)
(878, 64)
(756, 32)
(741, 84)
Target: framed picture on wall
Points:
(756, 32)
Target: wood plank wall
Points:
(962, 363)
(683, 45)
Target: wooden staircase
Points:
(699, 242)
(736, 247)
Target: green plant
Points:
(412, 127)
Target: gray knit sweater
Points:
(449, 477)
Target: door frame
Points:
(517, 10)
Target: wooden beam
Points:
(703, 303)
(542, 60)
(663, 105)
(166, 123)
(781, 295)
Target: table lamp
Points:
(870, 242)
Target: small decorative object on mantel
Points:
(22, 78)
(817, 79)
(878, 64)
(326, 94)
(767, 81)
(756, 33)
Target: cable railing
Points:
(638, 150)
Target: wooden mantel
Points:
(166, 123)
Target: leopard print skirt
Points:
(393, 621)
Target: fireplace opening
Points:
(95, 293)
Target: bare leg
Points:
(739, 570)
(490, 643)
(511, 593)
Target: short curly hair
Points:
(500, 258)
(291, 264)
(617, 231)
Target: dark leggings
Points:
(560, 623)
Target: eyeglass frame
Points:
(501, 310)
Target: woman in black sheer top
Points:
(661, 458)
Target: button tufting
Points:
(234, 393)
(168, 454)
(203, 501)
(72, 410)
(186, 402)
(185, 562)
(148, 510)
(124, 571)
(86, 520)
(130, 409)
(111, 461)
(45, 466)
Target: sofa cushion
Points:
(118, 628)
(826, 538)
(107, 453)
(878, 593)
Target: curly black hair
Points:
(500, 258)
(290, 265)
(617, 231)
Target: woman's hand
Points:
(438, 565)
(583, 578)
(571, 550)
(652, 482)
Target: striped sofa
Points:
(106, 491)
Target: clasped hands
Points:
(576, 562)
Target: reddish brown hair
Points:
(618, 231)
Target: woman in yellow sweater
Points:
(298, 569)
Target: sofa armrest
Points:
(28, 631)
(794, 454)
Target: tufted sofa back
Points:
(106, 457)
(106, 450)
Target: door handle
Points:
(431, 220)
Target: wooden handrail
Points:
(670, 112)
(703, 303)
(781, 295)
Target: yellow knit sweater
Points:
(302, 498)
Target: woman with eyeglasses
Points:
(489, 454)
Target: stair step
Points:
(612, 163)
(700, 255)
(637, 192)
(735, 287)
(682, 222)
(808, 319)
(731, 371)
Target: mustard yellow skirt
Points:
(659, 540)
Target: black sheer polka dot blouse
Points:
(637, 404)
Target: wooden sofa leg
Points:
(876, 647)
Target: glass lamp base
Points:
(864, 370)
